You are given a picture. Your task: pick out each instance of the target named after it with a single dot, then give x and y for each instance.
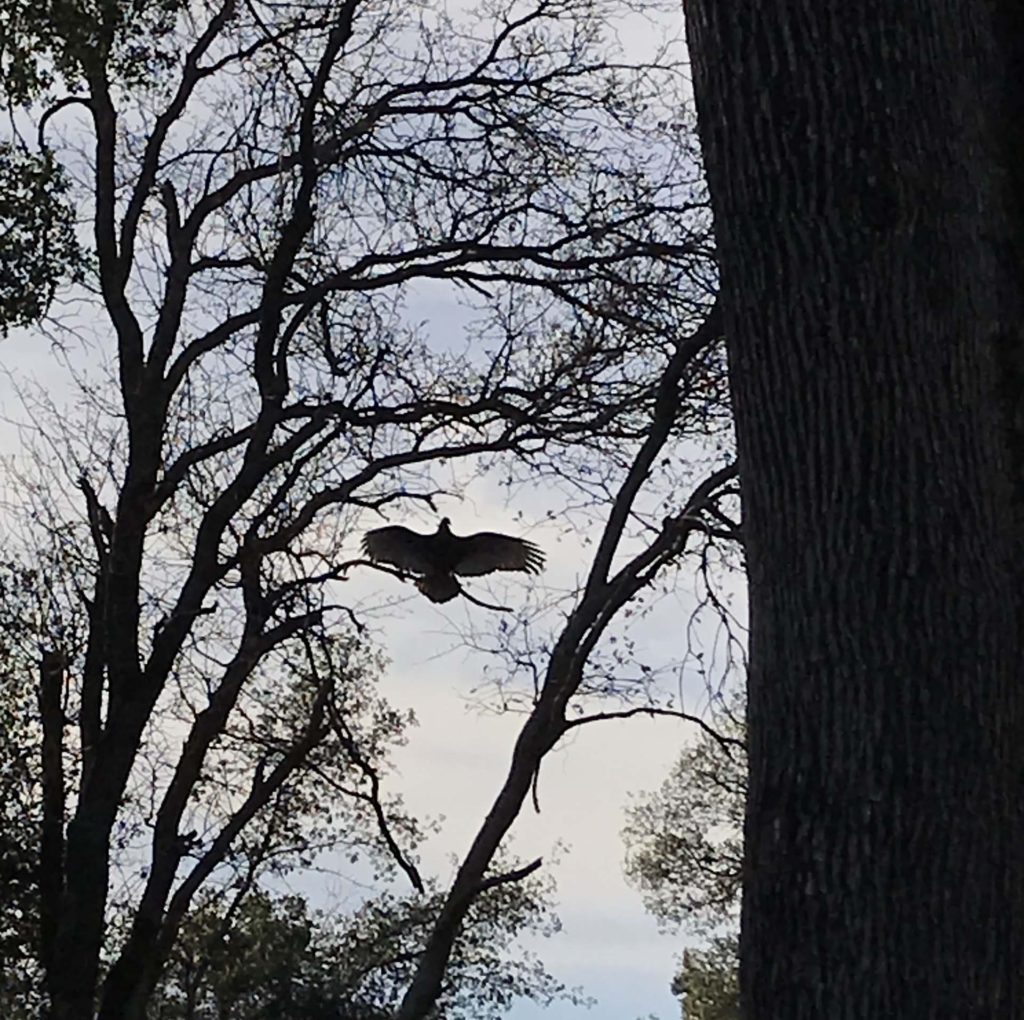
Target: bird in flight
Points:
(437, 558)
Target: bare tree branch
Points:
(516, 875)
(150, 162)
(373, 797)
(665, 409)
(727, 742)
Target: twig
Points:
(56, 108)
(373, 797)
(342, 568)
(403, 575)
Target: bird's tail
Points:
(439, 587)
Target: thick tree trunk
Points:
(855, 196)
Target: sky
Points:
(458, 754)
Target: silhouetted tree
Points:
(266, 189)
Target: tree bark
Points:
(856, 191)
(51, 830)
(1008, 121)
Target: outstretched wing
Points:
(408, 550)
(487, 551)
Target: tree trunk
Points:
(856, 196)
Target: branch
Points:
(538, 735)
(344, 735)
(343, 569)
(271, 386)
(262, 790)
(402, 575)
(726, 742)
(50, 111)
(447, 260)
(207, 726)
(112, 273)
(480, 602)
(340, 493)
(51, 839)
(180, 467)
(517, 875)
(588, 622)
(666, 406)
(167, 850)
(93, 671)
(101, 527)
(146, 179)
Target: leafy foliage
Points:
(254, 961)
(685, 854)
(44, 46)
(29, 616)
(38, 247)
(19, 801)
(708, 983)
(266, 957)
(684, 841)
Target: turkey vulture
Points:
(439, 557)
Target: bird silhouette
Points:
(436, 559)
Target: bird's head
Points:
(444, 528)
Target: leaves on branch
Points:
(38, 247)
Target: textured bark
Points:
(856, 193)
(1008, 123)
